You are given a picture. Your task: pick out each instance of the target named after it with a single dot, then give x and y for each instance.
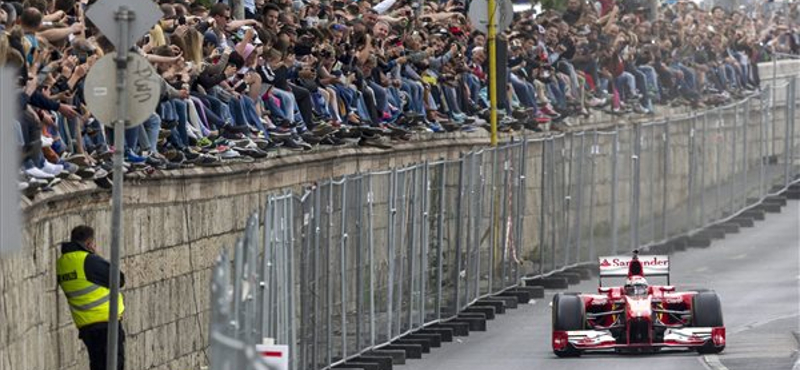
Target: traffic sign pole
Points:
(493, 69)
(124, 18)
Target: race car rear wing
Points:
(620, 266)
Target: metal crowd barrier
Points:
(353, 263)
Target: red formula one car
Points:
(637, 317)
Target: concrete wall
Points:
(175, 225)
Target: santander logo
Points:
(624, 262)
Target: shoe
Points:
(190, 154)
(548, 110)
(266, 145)
(468, 128)
(38, 173)
(332, 141)
(132, 158)
(174, 156)
(204, 142)
(323, 129)
(436, 128)
(154, 162)
(86, 173)
(206, 161)
(251, 152)
(229, 154)
(311, 138)
(375, 141)
(296, 144)
(53, 169)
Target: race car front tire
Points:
(707, 313)
(567, 316)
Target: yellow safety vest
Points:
(88, 302)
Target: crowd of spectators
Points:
(298, 74)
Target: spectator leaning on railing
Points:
(305, 73)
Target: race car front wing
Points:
(603, 339)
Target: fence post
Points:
(343, 265)
(704, 157)
(371, 246)
(593, 153)
(636, 178)
(579, 200)
(424, 244)
(665, 184)
(318, 272)
(614, 182)
(521, 190)
(392, 213)
(440, 238)
(459, 229)
(543, 207)
(412, 255)
(787, 150)
(690, 180)
(359, 184)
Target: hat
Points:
(211, 38)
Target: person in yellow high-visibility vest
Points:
(84, 277)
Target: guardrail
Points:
(354, 263)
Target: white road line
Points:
(713, 362)
(796, 365)
(756, 324)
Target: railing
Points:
(353, 263)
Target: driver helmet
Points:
(636, 286)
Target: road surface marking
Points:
(713, 362)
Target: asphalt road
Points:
(756, 274)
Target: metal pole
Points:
(542, 205)
(614, 180)
(440, 238)
(594, 151)
(493, 69)
(665, 184)
(124, 17)
(520, 207)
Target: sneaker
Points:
(132, 158)
(204, 142)
(206, 160)
(548, 110)
(332, 141)
(375, 141)
(252, 152)
(435, 127)
(323, 129)
(38, 173)
(296, 144)
(86, 172)
(311, 138)
(53, 169)
(153, 161)
(266, 145)
(174, 156)
(190, 154)
(229, 154)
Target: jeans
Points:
(415, 93)
(525, 91)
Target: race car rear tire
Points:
(567, 316)
(707, 313)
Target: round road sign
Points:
(144, 90)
